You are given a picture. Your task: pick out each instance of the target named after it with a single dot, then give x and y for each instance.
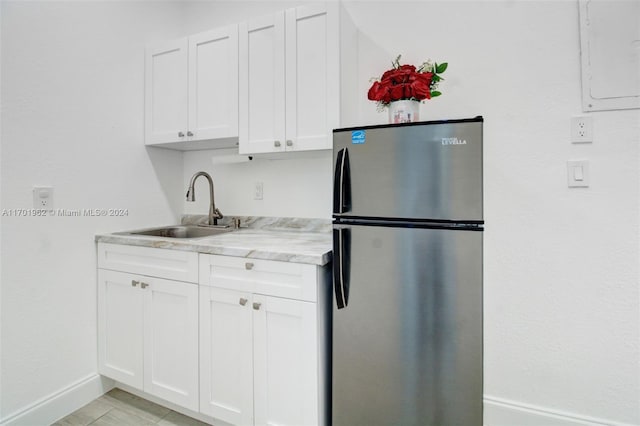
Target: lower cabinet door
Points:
(285, 361)
(226, 355)
(120, 327)
(171, 340)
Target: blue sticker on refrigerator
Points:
(358, 137)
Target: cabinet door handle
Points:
(243, 301)
(276, 144)
(248, 266)
(134, 283)
(180, 134)
(144, 285)
(256, 305)
(289, 142)
(189, 133)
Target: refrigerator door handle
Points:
(341, 251)
(342, 183)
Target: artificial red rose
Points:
(408, 91)
(401, 82)
(397, 92)
(377, 91)
(422, 86)
(399, 75)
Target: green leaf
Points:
(435, 93)
(440, 68)
(436, 78)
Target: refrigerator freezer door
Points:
(407, 342)
(422, 171)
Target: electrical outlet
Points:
(581, 129)
(42, 197)
(258, 191)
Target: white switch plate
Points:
(258, 191)
(582, 129)
(578, 173)
(42, 197)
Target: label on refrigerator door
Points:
(358, 136)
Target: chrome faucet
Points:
(214, 213)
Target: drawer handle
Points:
(243, 301)
(248, 266)
(134, 283)
(256, 306)
(144, 285)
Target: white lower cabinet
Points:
(148, 334)
(246, 344)
(226, 357)
(262, 358)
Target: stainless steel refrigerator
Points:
(407, 272)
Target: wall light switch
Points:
(578, 173)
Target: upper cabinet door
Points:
(213, 84)
(166, 92)
(312, 86)
(262, 79)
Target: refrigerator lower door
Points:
(407, 341)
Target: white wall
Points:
(561, 266)
(562, 321)
(72, 111)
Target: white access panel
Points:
(610, 52)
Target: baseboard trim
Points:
(504, 412)
(57, 405)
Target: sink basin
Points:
(181, 231)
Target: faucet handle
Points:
(218, 213)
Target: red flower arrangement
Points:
(407, 82)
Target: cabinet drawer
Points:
(270, 277)
(155, 262)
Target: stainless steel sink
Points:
(181, 231)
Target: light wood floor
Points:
(120, 408)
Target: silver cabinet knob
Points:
(276, 144)
(144, 285)
(289, 142)
(180, 134)
(248, 266)
(134, 283)
(256, 305)
(189, 133)
(243, 301)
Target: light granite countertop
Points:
(282, 239)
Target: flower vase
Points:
(404, 111)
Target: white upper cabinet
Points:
(294, 82)
(191, 91)
(262, 80)
(166, 92)
(213, 84)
